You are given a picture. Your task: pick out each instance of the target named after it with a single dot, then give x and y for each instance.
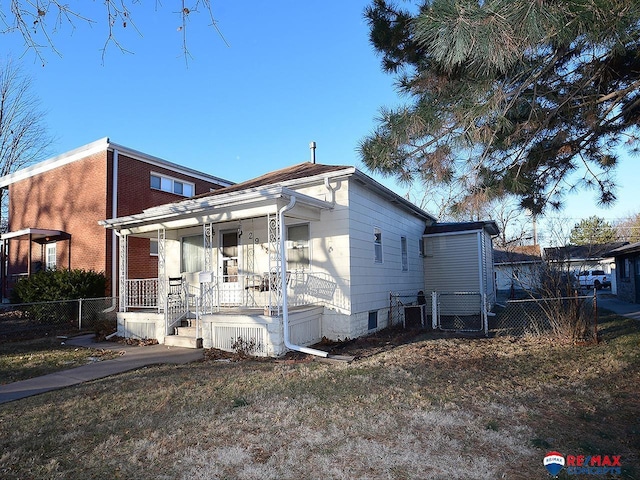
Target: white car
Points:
(594, 279)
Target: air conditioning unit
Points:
(415, 316)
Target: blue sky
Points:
(294, 71)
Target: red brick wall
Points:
(74, 197)
(70, 198)
(134, 195)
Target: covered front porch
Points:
(226, 274)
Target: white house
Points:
(274, 263)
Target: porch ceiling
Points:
(223, 208)
(39, 235)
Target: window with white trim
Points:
(192, 253)
(404, 253)
(51, 256)
(172, 185)
(377, 244)
(153, 247)
(298, 247)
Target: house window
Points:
(405, 255)
(377, 244)
(51, 256)
(192, 253)
(625, 268)
(172, 185)
(373, 320)
(153, 247)
(298, 247)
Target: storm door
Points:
(231, 287)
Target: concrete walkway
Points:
(610, 302)
(130, 357)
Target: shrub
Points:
(50, 285)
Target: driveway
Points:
(610, 302)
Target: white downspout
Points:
(283, 286)
(114, 214)
(332, 190)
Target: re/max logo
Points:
(593, 461)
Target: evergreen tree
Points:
(508, 96)
(592, 231)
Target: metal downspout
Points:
(114, 214)
(283, 286)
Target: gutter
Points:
(283, 286)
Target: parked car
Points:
(594, 279)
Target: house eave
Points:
(233, 201)
(101, 145)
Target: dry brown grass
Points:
(436, 408)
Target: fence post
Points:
(80, 314)
(595, 315)
(434, 310)
(485, 314)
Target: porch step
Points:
(186, 331)
(182, 341)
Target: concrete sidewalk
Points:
(610, 302)
(130, 357)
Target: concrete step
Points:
(182, 341)
(186, 331)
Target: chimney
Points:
(312, 147)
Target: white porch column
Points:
(123, 271)
(162, 269)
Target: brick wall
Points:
(69, 198)
(73, 198)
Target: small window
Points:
(626, 268)
(377, 244)
(51, 256)
(155, 182)
(405, 255)
(153, 247)
(373, 320)
(177, 187)
(298, 247)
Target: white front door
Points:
(231, 287)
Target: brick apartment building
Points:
(55, 206)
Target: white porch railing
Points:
(258, 291)
(142, 293)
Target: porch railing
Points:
(142, 293)
(245, 291)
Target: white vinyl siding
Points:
(371, 282)
(453, 263)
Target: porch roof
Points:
(233, 205)
(39, 235)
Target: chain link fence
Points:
(57, 317)
(572, 318)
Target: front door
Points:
(231, 287)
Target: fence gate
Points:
(459, 311)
